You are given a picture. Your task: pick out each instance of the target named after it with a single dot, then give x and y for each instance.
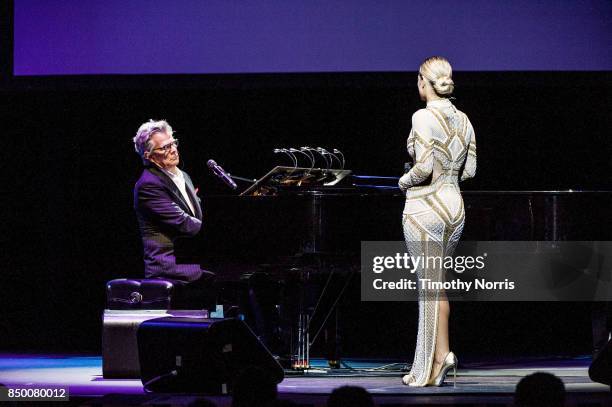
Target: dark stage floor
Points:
(478, 383)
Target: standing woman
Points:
(440, 143)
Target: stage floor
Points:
(478, 383)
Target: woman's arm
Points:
(469, 171)
(423, 151)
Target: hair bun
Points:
(438, 72)
(444, 85)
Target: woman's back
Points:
(441, 138)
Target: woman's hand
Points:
(404, 182)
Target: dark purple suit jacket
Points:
(163, 216)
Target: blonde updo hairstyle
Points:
(438, 72)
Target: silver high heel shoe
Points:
(450, 362)
(408, 379)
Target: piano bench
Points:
(130, 302)
(132, 294)
(159, 293)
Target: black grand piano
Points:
(291, 233)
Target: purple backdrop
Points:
(63, 37)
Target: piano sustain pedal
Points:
(300, 365)
(334, 364)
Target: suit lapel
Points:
(194, 198)
(172, 187)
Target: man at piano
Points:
(166, 204)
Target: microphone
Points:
(323, 152)
(301, 151)
(342, 155)
(220, 172)
(335, 156)
(310, 152)
(306, 150)
(285, 151)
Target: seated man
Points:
(166, 204)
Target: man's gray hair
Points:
(142, 140)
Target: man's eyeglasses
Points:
(166, 149)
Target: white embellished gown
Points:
(440, 143)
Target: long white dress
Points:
(441, 142)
